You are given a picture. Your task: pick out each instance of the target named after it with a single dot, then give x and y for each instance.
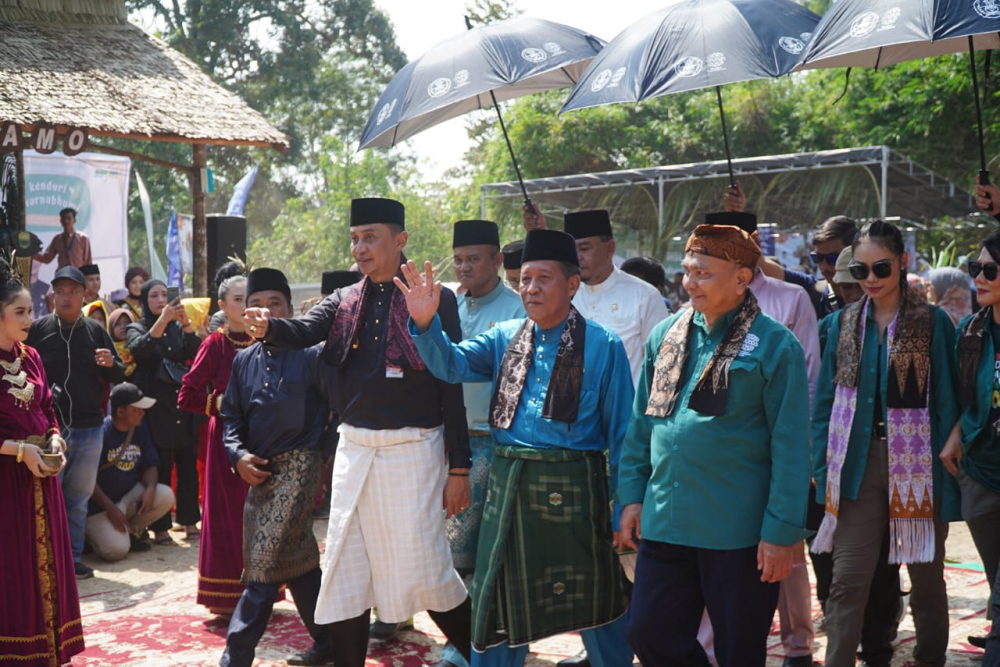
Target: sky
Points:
(418, 28)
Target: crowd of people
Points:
(555, 443)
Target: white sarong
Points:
(386, 544)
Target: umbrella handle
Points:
(984, 176)
(510, 149)
(983, 173)
(725, 136)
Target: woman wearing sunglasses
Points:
(973, 450)
(885, 404)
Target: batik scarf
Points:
(709, 396)
(908, 427)
(970, 349)
(400, 349)
(562, 399)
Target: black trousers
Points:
(674, 584)
(884, 600)
(186, 461)
(350, 637)
(992, 657)
(253, 611)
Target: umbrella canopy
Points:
(879, 33)
(692, 44)
(475, 70)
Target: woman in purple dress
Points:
(40, 623)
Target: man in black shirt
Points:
(80, 360)
(387, 545)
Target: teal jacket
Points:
(943, 406)
(728, 481)
(981, 450)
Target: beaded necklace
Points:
(22, 390)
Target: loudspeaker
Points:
(227, 237)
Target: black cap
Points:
(90, 270)
(745, 221)
(70, 273)
(127, 393)
(512, 255)
(334, 280)
(260, 280)
(549, 244)
(475, 232)
(584, 224)
(372, 210)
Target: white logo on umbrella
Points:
(689, 66)
(716, 62)
(533, 55)
(793, 45)
(601, 80)
(863, 24)
(553, 48)
(806, 36)
(619, 75)
(386, 111)
(889, 19)
(439, 87)
(988, 9)
(461, 78)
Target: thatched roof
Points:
(113, 79)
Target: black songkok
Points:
(549, 244)
(334, 280)
(261, 280)
(373, 210)
(584, 224)
(745, 221)
(90, 270)
(512, 255)
(475, 232)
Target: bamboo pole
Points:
(22, 196)
(199, 228)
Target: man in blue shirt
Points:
(715, 469)
(487, 302)
(275, 411)
(562, 388)
(127, 497)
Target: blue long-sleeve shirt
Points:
(277, 400)
(943, 405)
(605, 397)
(723, 481)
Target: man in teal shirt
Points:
(715, 468)
(562, 391)
(486, 303)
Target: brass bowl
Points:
(52, 461)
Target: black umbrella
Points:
(693, 44)
(479, 69)
(879, 33)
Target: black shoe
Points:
(578, 660)
(978, 642)
(799, 661)
(312, 657)
(386, 631)
(82, 571)
(137, 545)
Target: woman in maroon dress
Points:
(40, 616)
(220, 554)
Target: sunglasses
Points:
(830, 258)
(881, 269)
(989, 269)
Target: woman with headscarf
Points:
(118, 321)
(163, 345)
(952, 293)
(95, 310)
(40, 617)
(135, 278)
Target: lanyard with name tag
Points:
(393, 372)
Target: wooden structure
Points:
(79, 64)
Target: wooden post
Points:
(199, 226)
(22, 196)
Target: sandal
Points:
(164, 541)
(193, 532)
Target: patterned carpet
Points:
(142, 612)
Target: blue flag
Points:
(239, 199)
(174, 275)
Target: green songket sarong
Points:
(545, 563)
